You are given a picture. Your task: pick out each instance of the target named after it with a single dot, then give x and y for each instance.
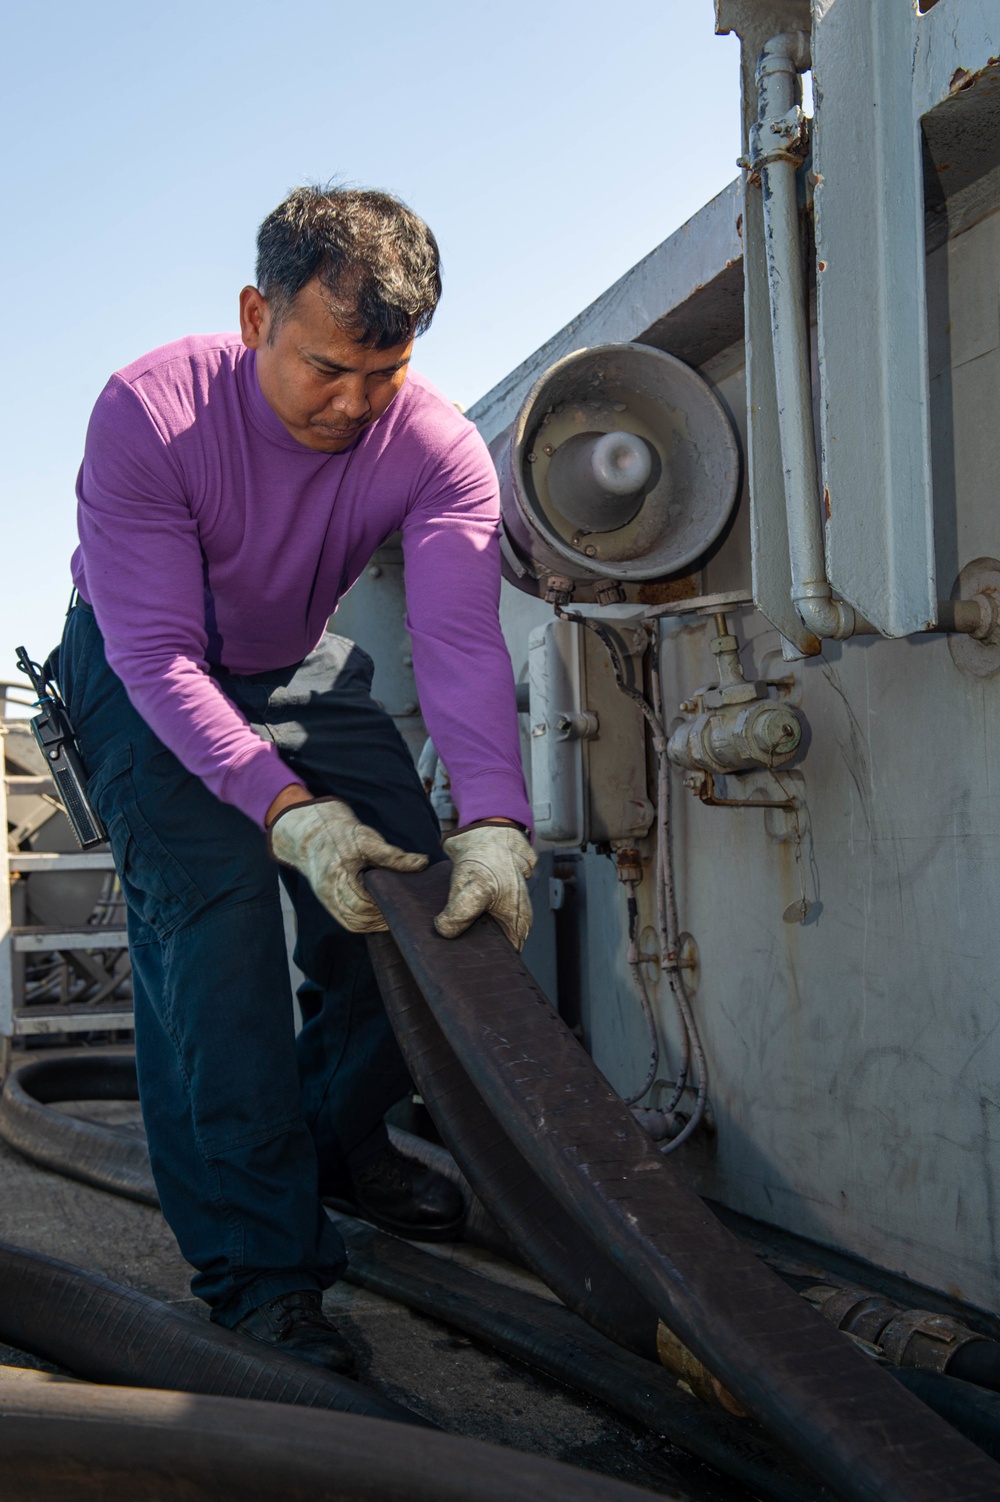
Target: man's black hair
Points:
(376, 259)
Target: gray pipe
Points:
(777, 147)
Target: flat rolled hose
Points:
(69, 1443)
(98, 1330)
(578, 1271)
(865, 1434)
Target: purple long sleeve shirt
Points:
(209, 536)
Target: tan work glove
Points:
(327, 842)
(491, 864)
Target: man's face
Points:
(324, 386)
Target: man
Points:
(232, 489)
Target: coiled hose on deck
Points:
(68, 1444)
(870, 1439)
(80, 1149)
(546, 1336)
(580, 1272)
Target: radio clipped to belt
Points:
(54, 734)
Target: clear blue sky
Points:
(550, 145)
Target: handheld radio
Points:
(54, 734)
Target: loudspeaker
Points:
(622, 465)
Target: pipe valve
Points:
(735, 725)
(737, 738)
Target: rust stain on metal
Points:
(673, 589)
(705, 790)
(822, 267)
(963, 79)
(826, 488)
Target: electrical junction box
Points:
(588, 753)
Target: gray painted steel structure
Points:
(855, 1056)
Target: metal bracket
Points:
(702, 784)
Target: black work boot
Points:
(400, 1195)
(295, 1323)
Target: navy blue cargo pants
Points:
(244, 1121)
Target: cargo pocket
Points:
(154, 883)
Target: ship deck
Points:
(440, 1373)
